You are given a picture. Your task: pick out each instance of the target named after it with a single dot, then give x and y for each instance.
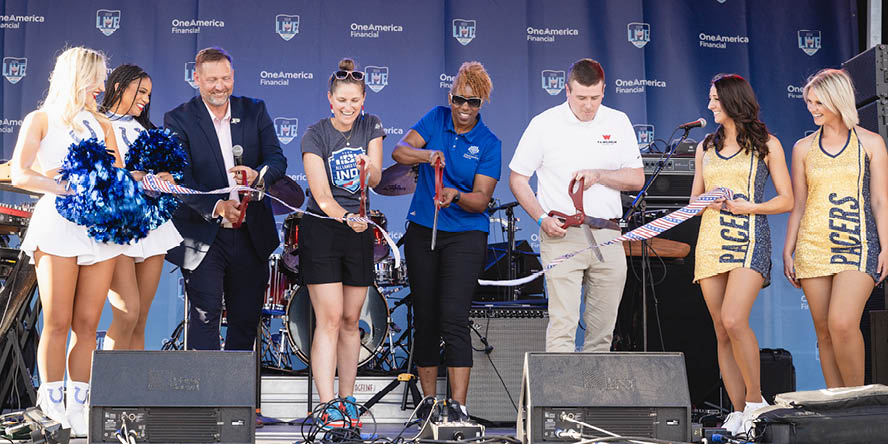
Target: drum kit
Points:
(287, 300)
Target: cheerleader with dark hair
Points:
(137, 272)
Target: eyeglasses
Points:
(342, 75)
(474, 102)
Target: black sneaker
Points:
(425, 410)
(456, 412)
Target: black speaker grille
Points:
(182, 425)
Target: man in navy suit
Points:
(217, 259)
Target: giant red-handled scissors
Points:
(579, 218)
(439, 187)
(246, 196)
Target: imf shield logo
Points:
(285, 128)
(644, 134)
(553, 81)
(639, 34)
(809, 41)
(377, 77)
(107, 21)
(189, 74)
(287, 26)
(14, 68)
(463, 31)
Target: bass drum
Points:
(373, 324)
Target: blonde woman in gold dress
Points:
(839, 224)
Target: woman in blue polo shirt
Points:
(443, 280)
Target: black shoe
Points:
(425, 410)
(456, 412)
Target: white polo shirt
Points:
(556, 144)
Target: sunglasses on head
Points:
(342, 75)
(474, 102)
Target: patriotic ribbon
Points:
(647, 231)
(152, 183)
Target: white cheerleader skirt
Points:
(157, 242)
(52, 234)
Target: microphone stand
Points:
(638, 207)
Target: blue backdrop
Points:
(658, 56)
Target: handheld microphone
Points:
(238, 152)
(699, 123)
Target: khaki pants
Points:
(583, 275)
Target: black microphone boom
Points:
(699, 123)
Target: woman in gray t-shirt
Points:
(336, 255)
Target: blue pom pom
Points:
(158, 151)
(107, 200)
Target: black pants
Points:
(231, 269)
(442, 283)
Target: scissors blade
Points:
(591, 239)
(435, 228)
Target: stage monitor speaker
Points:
(643, 395)
(173, 396)
(874, 116)
(869, 72)
(510, 332)
(879, 346)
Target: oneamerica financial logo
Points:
(286, 26)
(390, 130)
(718, 41)
(193, 26)
(7, 126)
(547, 35)
(371, 31)
(12, 21)
(445, 81)
(15, 68)
(282, 78)
(794, 92)
(631, 86)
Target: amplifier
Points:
(869, 72)
(173, 396)
(673, 185)
(510, 332)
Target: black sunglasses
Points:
(342, 75)
(474, 102)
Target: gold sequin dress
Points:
(727, 241)
(838, 231)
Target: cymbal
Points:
(397, 180)
(289, 191)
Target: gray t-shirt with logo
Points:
(339, 151)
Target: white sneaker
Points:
(77, 408)
(749, 413)
(733, 422)
(51, 401)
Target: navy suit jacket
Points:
(254, 131)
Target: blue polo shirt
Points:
(478, 151)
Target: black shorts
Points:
(330, 251)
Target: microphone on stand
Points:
(699, 123)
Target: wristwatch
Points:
(455, 198)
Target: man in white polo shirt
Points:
(580, 138)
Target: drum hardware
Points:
(20, 310)
(512, 293)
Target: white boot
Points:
(51, 401)
(77, 408)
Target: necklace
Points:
(350, 133)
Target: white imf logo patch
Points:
(189, 74)
(721, 1)
(107, 21)
(287, 26)
(644, 134)
(285, 128)
(463, 31)
(553, 81)
(639, 34)
(14, 68)
(377, 77)
(809, 41)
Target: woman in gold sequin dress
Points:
(733, 254)
(839, 224)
